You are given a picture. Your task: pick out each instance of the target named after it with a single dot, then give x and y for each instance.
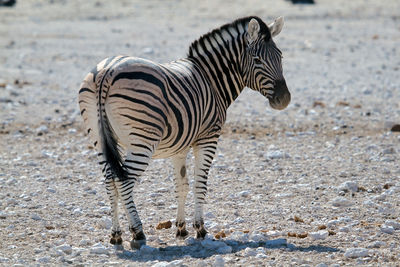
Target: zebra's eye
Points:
(257, 61)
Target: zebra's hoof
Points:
(182, 233)
(137, 244)
(201, 233)
(116, 240)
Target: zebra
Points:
(135, 109)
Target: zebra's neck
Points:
(219, 56)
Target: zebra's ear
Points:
(252, 30)
(276, 26)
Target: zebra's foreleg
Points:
(182, 189)
(135, 164)
(204, 155)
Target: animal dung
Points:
(220, 234)
(164, 225)
(298, 219)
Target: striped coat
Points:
(135, 109)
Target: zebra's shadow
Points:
(198, 249)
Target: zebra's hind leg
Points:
(116, 234)
(134, 165)
(204, 154)
(112, 193)
(182, 189)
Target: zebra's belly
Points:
(165, 150)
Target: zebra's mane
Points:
(239, 26)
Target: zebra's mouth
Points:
(279, 97)
(281, 101)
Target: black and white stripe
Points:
(135, 109)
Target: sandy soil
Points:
(314, 185)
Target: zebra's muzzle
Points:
(281, 97)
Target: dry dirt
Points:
(317, 184)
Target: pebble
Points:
(356, 252)
(351, 186)
(67, 249)
(3, 215)
(320, 235)
(394, 224)
(341, 202)
(377, 244)
(105, 223)
(45, 259)
(84, 242)
(387, 229)
(98, 248)
(43, 129)
(250, 252)
(244, 194)
(276, 154)
(175, 263)
(219, 261)
(36, 217)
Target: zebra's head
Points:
(263, 62)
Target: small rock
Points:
(45, 259)
(99, 249)
(51, 190)
(387, 229)
(320, 235)
(276, 154)
(341, 202)
(84, 242)
(67, 249)
(219, 261)
(3, 215)
(239, 236)
(105, 223)
(43, 129)
(77, 212)
(244, 194)
(377, 244)
(356, 252)
(250, 252)
(394, 224)
(349, 186)
(35, 217)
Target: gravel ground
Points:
(314, 185)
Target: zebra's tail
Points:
(92, 102)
